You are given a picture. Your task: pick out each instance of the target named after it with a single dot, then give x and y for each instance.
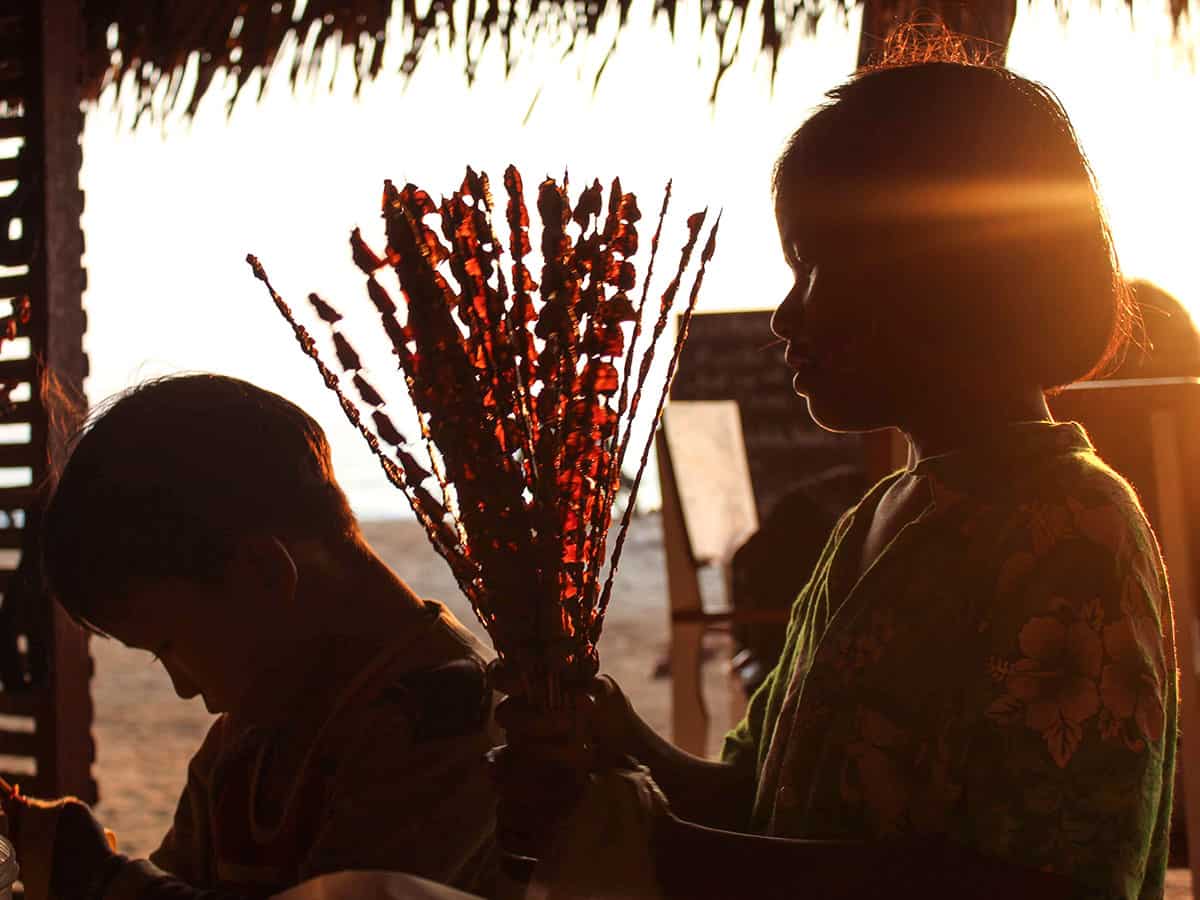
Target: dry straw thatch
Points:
(146, 46)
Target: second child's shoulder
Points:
(432, 685)
(1102, 505)
(1077, 514)
(1057, 495)
(1085, 476)
(1070, 506)
(446, 701)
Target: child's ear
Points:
(266, 563)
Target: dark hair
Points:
(967, 184)
(166, 480)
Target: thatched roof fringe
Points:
(142, 46)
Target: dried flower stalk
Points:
(525, 393)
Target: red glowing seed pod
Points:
(347, 356)
(369, 395)
(323, 310)
(523, 400)
(364, 257)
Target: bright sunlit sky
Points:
(173, 208)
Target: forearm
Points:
(698, 863)
(699, 790)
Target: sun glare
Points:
(172, 210)
(1132, 92)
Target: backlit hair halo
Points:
(525, 392)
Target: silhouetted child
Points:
(198, 519)
(977, 695)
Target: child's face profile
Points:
(838, 344)
(175, 620)
(214, 639)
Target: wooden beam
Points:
(11, 127)
(21, 780)
(56, 280)
(69, 744)
(18, 743)
(14, 456)
(19, 703)
(14, 286)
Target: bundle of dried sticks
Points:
(525, 393)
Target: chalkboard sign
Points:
(734, 356)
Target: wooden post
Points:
(41, 245)
(1174, 533)
(689, 717)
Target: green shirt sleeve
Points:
(747, 743)
(741, 744)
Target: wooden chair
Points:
(707, 510)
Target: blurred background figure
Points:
(1168, 345)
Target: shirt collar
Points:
(985, 462)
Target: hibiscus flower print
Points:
(873, 777)
(1106, 525)
(1048, 524)
(1016, 567)
(1131, 685)
(1054, 687)
(857, 650)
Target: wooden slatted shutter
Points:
(45, 709)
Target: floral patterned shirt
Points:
(1004, 674)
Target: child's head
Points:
(174, 524)
(944, 227)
